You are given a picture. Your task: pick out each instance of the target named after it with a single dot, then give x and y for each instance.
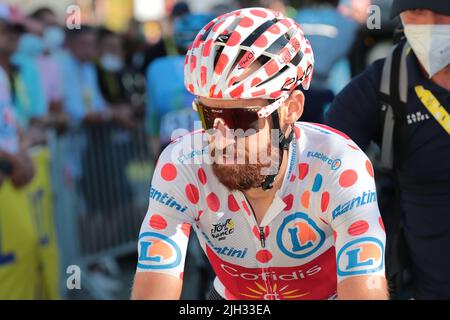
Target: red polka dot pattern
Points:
(201, 176)
(232, 203)
(221, 64)
(369, 168)
(380, 221)
(192, 193)
(303, 170)
(261, 42)
(325, 201)
(186, 228)
(246, 208)
(213, 202)
(348, 178)
(234, 39)
(358, 228)
(158, 222)
(288, 200)
(168, 172)
(246, 22)
(263, 256)
(259, 13)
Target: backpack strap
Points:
(393, 97)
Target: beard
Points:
(242, 177)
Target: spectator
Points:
(18, 264)
(169, 107)
(326, 28)
(421, 141)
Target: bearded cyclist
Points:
(302, 223)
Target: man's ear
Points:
(294, 107)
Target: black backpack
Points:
(392, 97)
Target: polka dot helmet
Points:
(228, 45)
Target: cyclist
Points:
(302, 223)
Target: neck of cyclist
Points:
(258, 194)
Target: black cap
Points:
(439, 6)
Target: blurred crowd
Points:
(58, 80)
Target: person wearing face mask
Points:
(402, 103)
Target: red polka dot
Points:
(192, 193)
(203, 72)
(186, 228)
(263, 256)
(325, 201)
(293, 177)
(276, 94)
(181, 275)
(246, 208)
(348, 178)
(213, 202)
(207, 47)
(158, 222)
(209, 25)
(271, 68)
(221, 64)
(201, 176)
(335, 236)
(380, 221)
(261, 41)
(274, 29)
(191, 88)
(288, 200)
(353, 147)
(232, 81)
(234, 39)
(266, 231)
(211, 90)
(259, 13)
(286, 22)
(369, 168)
(259, 93)
(168, 172)
(246, 22)
(256, 232)
(305, 199)
(236, 93)
(232, 203)
(303, 169)
(193, 64)
(217, 26)
(358, 228)
(256, 81)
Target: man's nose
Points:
(223, 135)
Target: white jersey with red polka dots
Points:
(323, 225)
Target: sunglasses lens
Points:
(233, 118)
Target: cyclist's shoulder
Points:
(188, 149)
(324, 139)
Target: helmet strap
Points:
(283, 145)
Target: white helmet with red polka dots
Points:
(226, 47)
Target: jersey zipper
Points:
(262, 238)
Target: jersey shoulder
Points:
(326, 142)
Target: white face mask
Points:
(431, 44)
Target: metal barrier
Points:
(100, 177)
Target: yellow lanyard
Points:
(434, 107)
